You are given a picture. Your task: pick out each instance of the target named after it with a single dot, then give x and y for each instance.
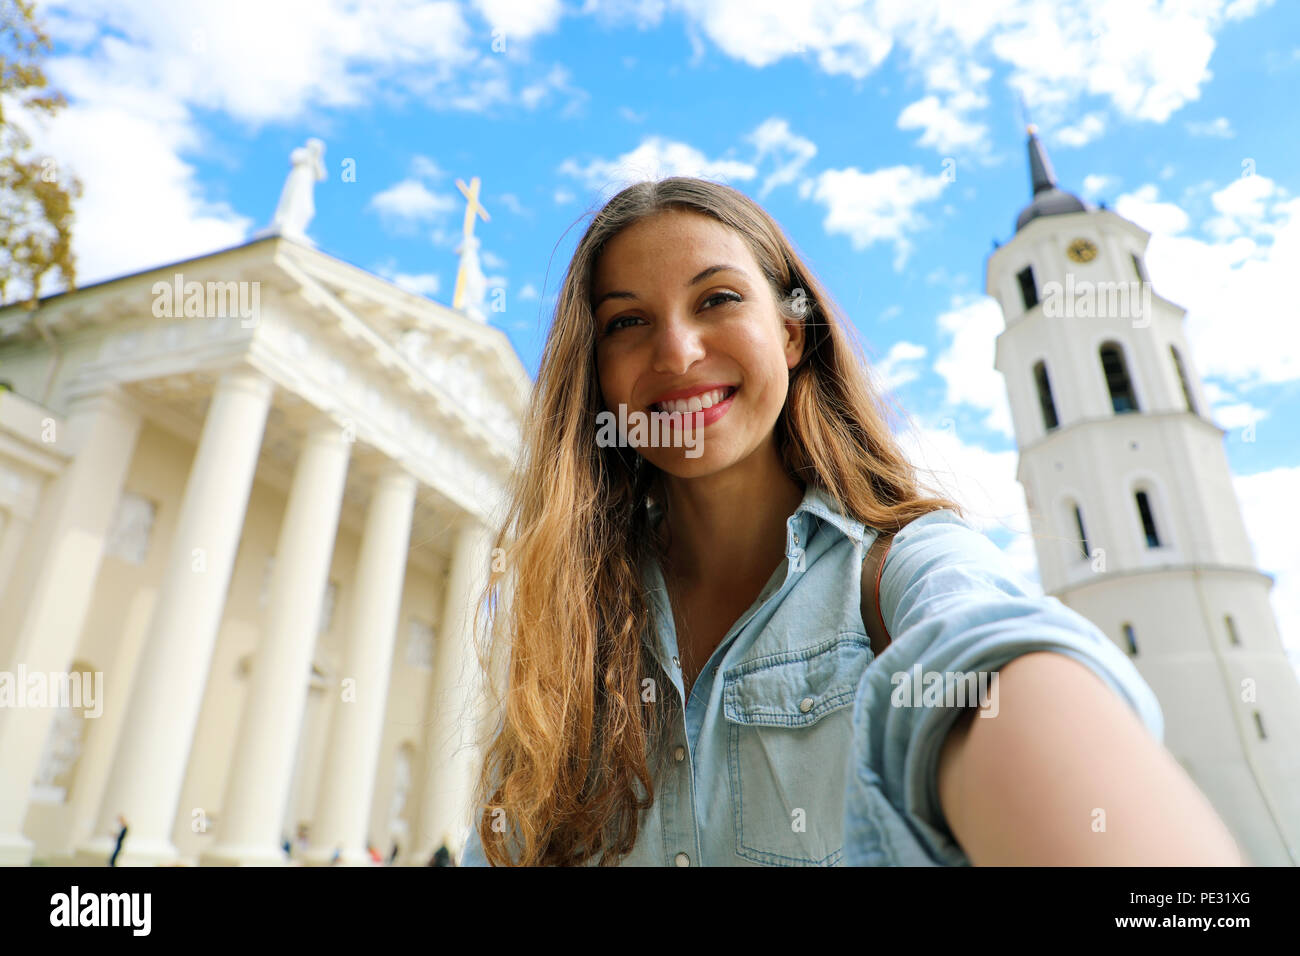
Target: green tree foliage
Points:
(35, 197)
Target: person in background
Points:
(121, 838)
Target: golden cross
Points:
(472, 208)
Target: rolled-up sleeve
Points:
(954, 605)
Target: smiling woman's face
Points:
(669, 322)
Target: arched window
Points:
(1118, 382)
(1130, 638)
(1083, 535)
(1148, 520)
(1028, 288)
(1232, 629)
(1182, 378)
(1045, 396)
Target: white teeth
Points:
(695, 403)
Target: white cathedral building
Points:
(1135, 522)
(246, 505)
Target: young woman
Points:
(684, 674)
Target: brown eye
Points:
(730, 296)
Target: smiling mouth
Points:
(696, 402)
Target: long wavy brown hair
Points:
(567, 768)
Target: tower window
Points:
(1045, 396)
(1028, 288)
(1259, 726)
(1118, 382)
(1083, 535)
(1232, 629)
(1182, 378)
(1130, 639)
(1148, 522)
(1139, 268)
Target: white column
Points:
(47, 602)
(455, 693)
(149, 768)
(260, 777)
(347, 781)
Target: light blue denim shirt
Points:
(791, 750)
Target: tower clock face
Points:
(1082, 250)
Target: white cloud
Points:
(879, 206)
(1243, 207)
(528, 292)
(1220, 128)
(408, 202)
(556, 80)
(946, 124)
(1093, 184)
(841, 37)
(1238, 291)
(900, 365)
(656, 158)
(971, 329)
(1143, 207)
(511, 202)
(426, 283)
(983, 482)
(790, 151)
(1059, 53)
(1263, 497)
(425, 168)
(520, 19)
(136, 72)
(1083, 132)
(1237, 415)
(140, 205)
(261, 62)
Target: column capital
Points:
(245, 378)
(110, 398)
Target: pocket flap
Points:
(796, 688)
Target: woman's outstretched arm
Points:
(1067, 775)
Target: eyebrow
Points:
(699, 278)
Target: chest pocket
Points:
(789, 725)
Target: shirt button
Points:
(682, 859)
(806, 705)
(796, 538)
(676, 662)
(679, 754)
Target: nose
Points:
(677, 347)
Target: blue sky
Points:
(839, 117)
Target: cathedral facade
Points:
(247, 506)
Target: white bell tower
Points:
(1135, 520)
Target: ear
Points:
(794, 340)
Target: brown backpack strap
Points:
(872, 568)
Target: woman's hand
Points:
(1067, 775)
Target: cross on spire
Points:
(469, 266)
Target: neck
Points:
(728, 529)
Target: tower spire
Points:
(1048, 199)
(1041, 174)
